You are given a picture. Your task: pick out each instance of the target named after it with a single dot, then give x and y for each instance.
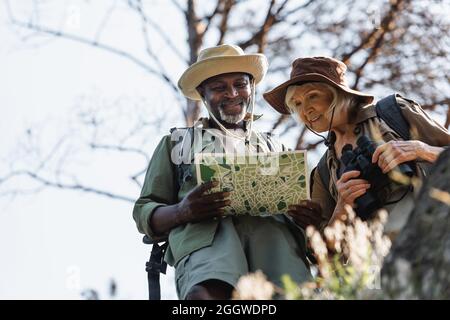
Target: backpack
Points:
(386, 109)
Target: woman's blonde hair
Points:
(341, 99)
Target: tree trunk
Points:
(195, 40)
(418, 266)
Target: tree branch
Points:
(119, 149)
(281, 119)
(149, 51)
(299, 144)
(58, 185)
(303, 6)
(146, 20)
(93, 43)
(378, 33)
(311, 146)
(195, 40)
(178, 6)
(137, 175)
(208, 19)
(104, 21)
(376, 41)
(259, 36)
(223, 27)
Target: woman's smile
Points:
(314, 118)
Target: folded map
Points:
(261, 184)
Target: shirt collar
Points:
(364, 113)
(204, 121)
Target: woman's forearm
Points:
(429, 153)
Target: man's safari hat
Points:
(218, 60)
(313, 69)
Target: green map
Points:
(260, 184)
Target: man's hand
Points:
(306, 213)
(196, 206)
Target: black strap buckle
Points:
(156, 263)
(154, 267)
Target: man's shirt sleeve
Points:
(159, 187)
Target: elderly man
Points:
(210, 251)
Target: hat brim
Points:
(254, 64)
(276, 96)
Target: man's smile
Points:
(232, 108)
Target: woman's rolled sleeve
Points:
(422, 126)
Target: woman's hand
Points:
(349, 188)
(306, 213)
(392, 153)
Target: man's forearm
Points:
(164, 219)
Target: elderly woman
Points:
(317, 94)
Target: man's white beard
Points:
(233, 119)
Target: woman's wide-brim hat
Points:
(218, 60)
(314, 69)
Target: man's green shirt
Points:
(162, 186)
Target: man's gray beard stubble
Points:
(233, 119)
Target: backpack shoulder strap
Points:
(389, 110)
